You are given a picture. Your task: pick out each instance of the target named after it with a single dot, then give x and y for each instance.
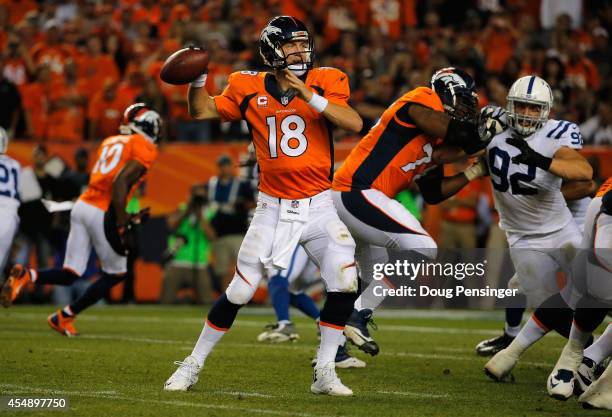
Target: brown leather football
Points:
(184, 66)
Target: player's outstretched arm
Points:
(570, 165)
(435, 187)
(344, 117)
(575, 190)
(200, 104)
(565, 163)
(454, 132)
(122, 184)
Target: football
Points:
(184, 66)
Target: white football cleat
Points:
(279, 333)
(560, 383)
(599, 394)
(325, 381)
(500, 365)
(350, 362)
(587, 373)
(185, 376)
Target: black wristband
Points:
(541, 161)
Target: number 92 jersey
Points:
(529, 199)
(113, 154)
(293, 142)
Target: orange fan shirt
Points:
(113, 154)
(605, 187)
(293, 142)
(394, 152)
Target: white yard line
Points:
(414, 394)
(69, 350)
(187, 345)
(111, 395)
(27, 389)
(253, 323)
(243, 394)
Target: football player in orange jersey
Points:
(420, 131)
(289, 111)
(98, 218)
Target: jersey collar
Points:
(272, 88)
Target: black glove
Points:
(464, 134)
(528, 156)
(606, 203)
(122, 237)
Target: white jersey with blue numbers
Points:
(10, 172)
(529, 199)
(579, 208)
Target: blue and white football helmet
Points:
(531, 90)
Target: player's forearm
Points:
(446, 154)
(574, 169)
(437, 189)
(119, 201)
(200, 104)
(575, 190)
(343, 116)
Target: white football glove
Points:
(491, 122)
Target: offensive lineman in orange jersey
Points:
(420, 131)
(289, 111)
(98, 218)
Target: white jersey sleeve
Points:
(10, 178)
(564, 133)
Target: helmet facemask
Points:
(465, 106)
(522, 123)
(300, 67)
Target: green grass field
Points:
(426, 367)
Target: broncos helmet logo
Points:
(265, 37)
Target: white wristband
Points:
(318, 103)
(200, 81)
(475, 171)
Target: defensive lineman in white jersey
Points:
(10, 172)
(527, 163)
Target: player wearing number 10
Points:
(98, 218)
(289, 111)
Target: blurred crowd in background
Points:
(70, 67)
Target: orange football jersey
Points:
(113, 154)
(393, 152)
(605, 187)
(293, 142)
